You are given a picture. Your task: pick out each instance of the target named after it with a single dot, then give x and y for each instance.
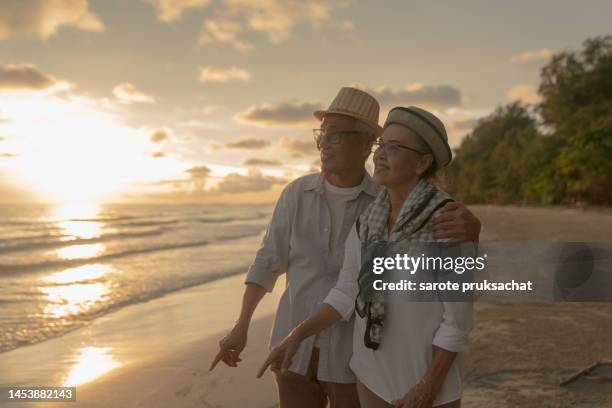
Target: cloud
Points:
(24, 76)
(254, 161)
(159, 136)
(291, 113)
(533, 56)
(434, 96)
(315, 166)
(127, 93)
(158, 154)
(465, 124)
(223, 31)
(277, 18)
(10, 193)
(223, 75)
(198, 172)
(525, 93)
(254, 181)
(298, 147)
(346, 25)
(198, 176)
(43, 18)
(249, 144)
(172, 10)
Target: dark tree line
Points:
(556, 152)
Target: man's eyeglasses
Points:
(392, 148)
(331, 137)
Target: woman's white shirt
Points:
(411, 328)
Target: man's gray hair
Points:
(368, 131)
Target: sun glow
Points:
(71, 148)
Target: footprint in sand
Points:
(184, 391)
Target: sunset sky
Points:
(212, 100)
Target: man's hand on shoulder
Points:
(456, 223)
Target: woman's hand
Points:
(419, 396)
(281, 356)
(231, 346)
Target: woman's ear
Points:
(424, 163)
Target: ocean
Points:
(63, 266)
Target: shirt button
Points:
(325, 229)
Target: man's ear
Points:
(367, 146)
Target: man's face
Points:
(338, 158)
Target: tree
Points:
(494, 160)
(585, 164)
(506, 159)
(576, 89)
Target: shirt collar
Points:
(367, 185)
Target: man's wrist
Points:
(242, 324)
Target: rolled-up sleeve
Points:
(342, 296)
(272, 258)
(457, 318)
(454, 331)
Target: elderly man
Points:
(305, 240)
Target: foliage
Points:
(509, 158)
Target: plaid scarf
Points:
(422, 202)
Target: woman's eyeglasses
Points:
(331, 137)
(392, 148)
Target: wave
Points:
(217, 220)
(16, 269)
(46, 241)
(21, 238)
(104, 219)
(118, 220)
(75, 322)
(147, 223)
(6, 270)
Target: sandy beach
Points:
(153, 354)
(157, 353)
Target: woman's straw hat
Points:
(356, 104)
(426, 125)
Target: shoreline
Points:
(120, 347)
(150, 297)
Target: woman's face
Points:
(399, 162)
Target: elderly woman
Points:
(404, 352)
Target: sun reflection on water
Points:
(78, 219)
(91, 363)
(81, 251)
(80, 274)
(80, 229)
(72, 299)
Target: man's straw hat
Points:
(356, 104)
